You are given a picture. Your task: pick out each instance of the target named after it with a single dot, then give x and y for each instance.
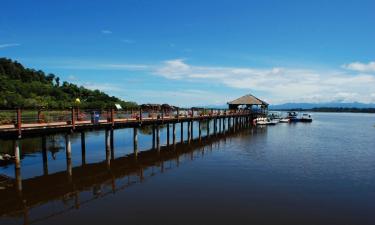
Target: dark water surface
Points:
(318, 173)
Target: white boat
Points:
(306, 118)
(265, 121)
(285, 120)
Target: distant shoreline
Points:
(331, 109)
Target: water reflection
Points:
(71, 187)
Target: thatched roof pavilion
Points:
(248, 101)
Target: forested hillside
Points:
(29, 88)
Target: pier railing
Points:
(17, 118)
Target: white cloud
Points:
(7, 45)
(279, 84)
(106, 32)
(72, 78)
(360, 67)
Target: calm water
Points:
(318, 173)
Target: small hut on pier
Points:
(248, 102)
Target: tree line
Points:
(34, 89)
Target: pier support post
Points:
(224, 128)
(208, 127)
(44, 155)
(158, 137)
(83, 148)
(112, 145)
(174, 133)
(135, 141)
(153, 136)
(168, 134)
(192, 130)
(215, 126)
(182, 132)
(219, 125)
(17, 156)
(18, 180)
(189, 131)
(108, 148)
(200, 129)
(68, 146)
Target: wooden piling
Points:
(192, 130)
(189, 131)
(73, 118)
(83, 148)
(68, 146)
(168, 134)
(208, 127)
(112, 144)
(158, 137)
(174, 133)
(17, 156)
(182, 132)
(200, 130)
(135, 141)
(153, 137)
(18, 180)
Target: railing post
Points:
(140, 114)
(39, 115)
(73, 118)
(113, 116)
(19, 122)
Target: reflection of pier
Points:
(27, 194)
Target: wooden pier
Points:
(222, 120)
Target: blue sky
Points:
(199, 52)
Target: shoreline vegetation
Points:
(331, 109)
(27, 88)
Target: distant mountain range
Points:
(321, 105)
(308, 105)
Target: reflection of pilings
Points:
(68, 146)
(76, 200)
(83, 148)
(135, 140)
(174, 133)
(25, 213)
(44, 155)
(168, 134)
(182, 132)
(158, 137)
(17, 156)
(69, 168)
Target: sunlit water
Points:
(305, 173)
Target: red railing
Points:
(22, 118)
